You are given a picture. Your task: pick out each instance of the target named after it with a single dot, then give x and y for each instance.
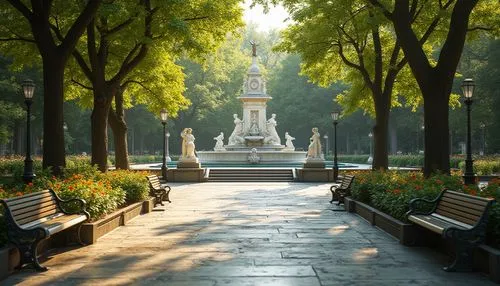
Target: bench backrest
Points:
(33, 208)
(346, 181)
(154, 181)
(462, 207)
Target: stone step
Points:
(251, 175)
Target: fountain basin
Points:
(241, 156)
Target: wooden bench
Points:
(34, 217)
(156, 190)
(457, 217)
(342, 190)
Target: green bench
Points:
(156, 190)
(339, 191)
(34, 217)
(457, 217)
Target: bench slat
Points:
(434, 224)
(27, 198)
(47, 213)
(29, 204)
(468, 199)
(461, 208)
(32, 208)
(456, 217)
(471, 207)
(35, 213)
(35, 223)
(458, 212)
(57, 224)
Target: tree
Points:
(352, 42)
(33, 25)
(436, 80)
(122, 37)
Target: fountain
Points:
(254, 136)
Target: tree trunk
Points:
(119, 128)
(381, 132)
(436, 142)
(53, 132)
(99, 126)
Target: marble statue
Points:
(188, 147)
(314, 151)
(219, 144)
(237, 135)
(254, 127)
(272, 136)
(252, 157)
(289, 143)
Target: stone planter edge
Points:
(91, 231)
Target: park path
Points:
(246, 234)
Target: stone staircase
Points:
(250, 175)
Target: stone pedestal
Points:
(314, 175)
(186, 175)
(188, 163)
(314, 163)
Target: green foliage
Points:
(493, 190)
(134, 184)
(100, 196)
(484, 166)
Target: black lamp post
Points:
(164, 117)
(335, 117)
(28, 90)
(370, 159)
(468, 89)
(483, 142)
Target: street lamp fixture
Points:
(335, 117)
(164, 117)
(28, 90)
(468, 89)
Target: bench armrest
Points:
(81, 202)
(414, 209)
(335, 186)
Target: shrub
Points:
(134, 184)
(100, 196)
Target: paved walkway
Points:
(247, 234)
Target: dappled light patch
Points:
(339, 229)
(365, 253)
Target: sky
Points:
(273, 19)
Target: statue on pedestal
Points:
(237, 135)
(314, 151)
(188, 147)
(289, 143)
(219, 145)
(253, 158)
(254, 127)
(272, 136)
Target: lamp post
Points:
(164, 117)
(28, 90)
(483, 142)
(326, 145)
(468, 89)
(370, 159)
(335, 117)
(168, 153)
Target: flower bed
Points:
(391, 191)
(104, 193)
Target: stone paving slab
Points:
(245, 234)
